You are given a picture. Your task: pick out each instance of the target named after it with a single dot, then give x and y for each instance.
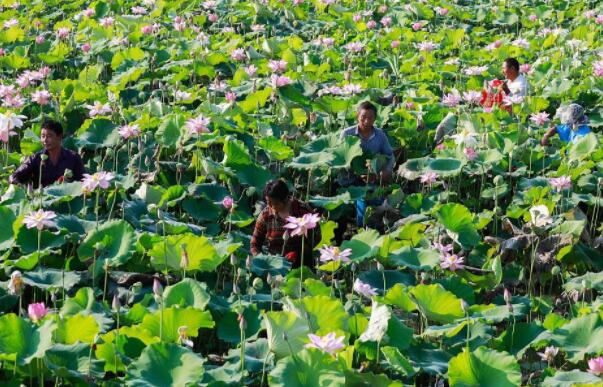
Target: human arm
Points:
(549, 133)
(26, 172)
(387, 150)
(259, 235)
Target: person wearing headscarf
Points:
(573, 124)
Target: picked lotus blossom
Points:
(561, 183)
(525, 68)
(129, 131)
(452, 262)
(301, 226)
(183, 336)
(352, 88)
(100, 180)
(41, 97)
(40, 219)
(472, 97)
(182, 95)
(540, 118)
(11, 23)
(595, 365)
(37, 311)
(427, 46)
(470, 153)
(540, 216)
(227, 202)
(364, 289)
(598, 68)
(15, 284)
(510, 100)
(475, 70)
(335, 254)
(452, 99)
(354, 47)
(521, 42)
(198, 125)
(280, 80)
(98, 109)
(329, 343)
(277, 66)
(238, 54)
(429, 178)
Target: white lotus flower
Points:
(540, 216)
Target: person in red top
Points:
(270, 226)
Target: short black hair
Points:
(277, 190)
(366, 105)
(55, 126)
(512, 62)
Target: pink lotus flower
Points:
(417, 26)
(442, 11)
(442, 248)
(98, 109)
(100, 179)
(470, 153)
(351, 89)
(227, 202)
(40, 39)
(179, 24)
(599, 19)
(475, 70)
(238, 54)
(183, 336)
(429, 178)
(86, 47)
(209, 4)
(364, 289)
(598, 69)
(146, 29)
(41, 97)
(525, 68)
(441, 147)
(452, 262)
(521, 42)
(533, 18)
(427, 46)
(472, 97)
(278, 66)
(357, 17)
(354, 47)
(198, 125)
(333, 90)
(212, 17)
(258, 28)
(11, 23)
(45, 71)
(37, 311)
(590, 14)
(540, 118)
(129, 131)
(549, 354)
(386, 21)
(595, 365)
(63, 32)
(280, 80)
(395, 43)
(561, 183)
(328, 344)
(39, 219)
(509, 100)
(334, 254)
(231, 97)
(181, 95)
(300, 226)
(382, 8)
(494, 45)
(23, 81)
(138, 10)
(250, 70)
(452, 99)
(371, 24)
(88, 12)
(327, 42)
(13, 101)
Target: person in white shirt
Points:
(516, 84)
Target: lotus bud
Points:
(269, 279)
(235, 289)
(555, 271)
(464, 306)
(380, 267)
(278, 280)
(242, 322)
(16, 283)
(507, 296)
(586, 284)
(44, 157)
(286, 235)
(347, 75)
(353, 267)
(184, 257)
(285, 336)
(248, 262)
(109, 152)
(425, 277)
(258, 283)
(157, 288)
(233, 259)
(498, 180)
(53, 297)
(160, 213)
(140, 146)
(116, 304)
(241, 272)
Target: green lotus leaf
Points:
(76, 328)
(7, 218)
(330, 203)
(287, 333)
(345, 152)
(202, 254)
(275, 148)
(228, 325)
(312, 160)
(583, 147)
(428, 358)
(185, 293)
(171, 131)
(436, 303)
(73, 361)
(414, 258)
(98, 133)
(21, 341)
(484, 367)
(397, 362)
(308, 368)
(117, 351)
(398, 296)
(571, 378)
(458, 219)
(263, 265)
(323, 313)
(256, 354)
(413, 168)
(165, 364)
(27, 238)
(445, 167)
(45, 278)
(579, 337)
(115, 241)
(376, 280)
(364, 245)
(517, 339)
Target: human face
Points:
(276, 206)
(509, 72)
(50, 140)
(366, 119)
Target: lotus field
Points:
(478, 263)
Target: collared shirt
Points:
(566, 134)
(518, 86)
(377, 144)
(29, 171)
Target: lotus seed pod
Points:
(498, 180)
(556, 270)
(44, 157)
(258, 283)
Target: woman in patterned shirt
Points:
(270, 226)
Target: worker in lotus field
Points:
(281, 224)
(514, 85)
(573, 124)
(52, 164)
(373, 142)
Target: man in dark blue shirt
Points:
(54, 161)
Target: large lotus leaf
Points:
(27, 238)
(484, 367)
(571, 378)
(115, 240)
(255, 100)
(397, 362)
(153, 325)
(202, 255)
(84, 302)
(364, 245)
(73, 361)
(172, 196)
(165, 364)
(185, 293)
(202, 209)
(445, 167)
(345, 152)
(235, 153)
(324, 314)
(581, 336)
(21, 341)
(307, 368)
(263, 265)
(428, 358)
(228, 326)
(458, 219)
(287, 332)
(312, 160)
(63, 192)
(45, 278)
(517, 338)
(256, 354)
(330, 203)
(171, 131)
(77, 328)
(275, 148)
(7, 218)
(398, 296)
(118, 350)
(98, 132)
(436, 303)
(414, 258)
(583, 147)
(253, 175)
(375, 279)
(378, 323)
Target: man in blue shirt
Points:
(574, 124)
(373, 141)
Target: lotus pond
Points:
(488, 269)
